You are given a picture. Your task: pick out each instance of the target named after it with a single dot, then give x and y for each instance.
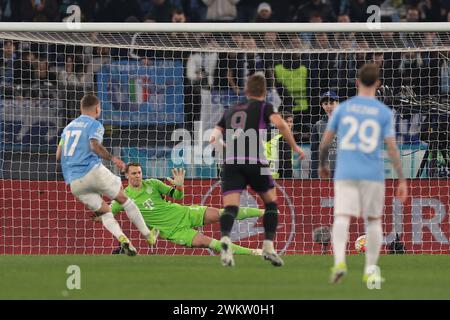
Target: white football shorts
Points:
(97, 182)
(359, 198)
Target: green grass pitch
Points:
(202, 277)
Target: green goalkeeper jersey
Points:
(157, 211)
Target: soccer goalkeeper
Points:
(173, 221)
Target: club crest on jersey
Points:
(149, 190)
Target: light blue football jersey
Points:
(77, 157)
(361, 124)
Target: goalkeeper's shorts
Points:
(184, 232)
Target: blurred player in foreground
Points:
(245, 163)
(362, 124)
(172, 221)
(81, 152)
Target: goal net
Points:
(163, 90)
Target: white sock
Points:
(373, 243)
(340, 238)
(112, 225)
(268, 246)
(135, 216)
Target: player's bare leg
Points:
(202, 241)
(339, 241)
(373, 246)
(111, 224)
(231, 208)
(270, 227)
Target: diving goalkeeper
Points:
(176, 222)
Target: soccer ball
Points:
(360, 244)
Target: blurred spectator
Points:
(343, 17)
(323, 68)
(95, 58)
(241, 65)
(178, 16)
(432, 10)
(8, 58)
(121, 10)
(311, 7)
(43, 75)
(42, 10)
(444, 76)
(10, 10)
(73, 73)
(44, 85)
(264, 13)
(346, 66)
(309, 36)
(160, 11)
(247, 10)
(221, 10)
(387, 66)
(195, 10)
(413, 14)
(200, 70)
(279, 153)
(357, 10)
(408, 71)
(328, 102)
(293, 85)
(271, 41)
(24, 70)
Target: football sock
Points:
(112, 225)
(245, 213)
(340, 238)
(373, 243)
(227, 220)
(135, 216)
(270, 220)
(216, 246)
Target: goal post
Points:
(163, 87)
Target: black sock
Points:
(227, 220)
(270, 220)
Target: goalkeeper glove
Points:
(178, 177)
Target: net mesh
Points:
(161, 88)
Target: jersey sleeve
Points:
(116, 207)
(268, 111)
(159, 186)
(334, 120)
(166, 190)
(96, 131)
(388, 129)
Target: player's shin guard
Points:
(270, 220)
(227, 220)
(135, 216)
